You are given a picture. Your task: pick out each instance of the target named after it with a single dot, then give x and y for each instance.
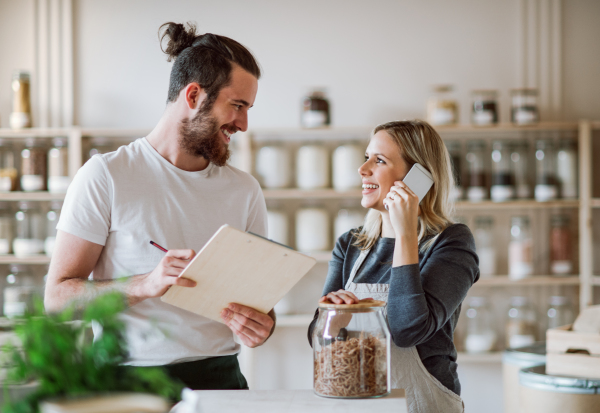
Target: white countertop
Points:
(288, 401)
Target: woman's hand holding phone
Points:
(403, 206)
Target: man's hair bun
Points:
(178, 38)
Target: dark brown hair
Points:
(206, 59)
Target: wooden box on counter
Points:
(572, 353)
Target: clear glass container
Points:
(19, 292)
(442, 107)
(566, 168)
(546, 188)
(347, 159)
(20, 116)
(8, 169)
(476, 155)
(351, 350)
(520, 249)
(503, 181)
(312, 167)
(485, 243)
(315, 110)
(99, 146)
(31, 228)
(520, 161)
(521, 326)
(58, 166)
(560, 312)
(485, 107)
(524, 106)
(313, 229)
(480, 337)
(348, 218)
(7, 228)
(274, 166)
(52, 217)
(454, 150)
(33, 166)
(561, 252)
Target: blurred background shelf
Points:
(35, 259)
(537, 280)
(31, 196)
(493, 357)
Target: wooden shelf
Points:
(521, 204)
(492, 357)
(115, 133)
(508, 127)
(535, 280)
(294, 193)
(34, 132)
(31, 196)
(34, 259)
(294, 320)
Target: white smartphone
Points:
(419, 180)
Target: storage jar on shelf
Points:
(347, 159)
(7, 228)
(485, 107)
(273, 166)
(52, 218)
(351, 350)
(524, 106)
(98, 146)
(480, 336)
(454, 150)
(58, 166)
(20, 116)
(566, 168)
(312, 167)
(485, 245)
(520, 249)
(546, 188)
(278, 226)
(19, 292)
(347, 219)
(8, 169)
(560, 312)
(561, 252)
(33, 166)
(477, 190)
(503, 188)
(442, 108)
(521, 326)
(312, 230)
(519, 157)
(30, 230)
(315, 110)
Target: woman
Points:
(412, 256)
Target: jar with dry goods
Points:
(560, 312)
(30, 231)
(312, 167)
(485, 107)
(7, 228)
(19, 292)
(274, 166)
(566, 168)
(99, 146)
(58, 166)
(524, 106)
(20, 116)
(33, 166)
(454, 150)
(315, 110)
(476, 173)
(351, 349)
(519, 158)
(347, 159)
(546, 186)
(561, 253)
(52, 217)
(520, 249)
(485, 243)
(8, 169)
(480, 337)
(442, 107)
(521, 326)
(503, 188)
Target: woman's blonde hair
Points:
(419, 143)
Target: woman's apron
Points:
(424, 393)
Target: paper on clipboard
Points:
(237, 267)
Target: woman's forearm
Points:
(406, 251)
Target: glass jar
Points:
(520, 249)
(560, 312)
(8, 169)
(312, 230)
(442, 108)
(52, 218)
(503, 188)
(454, 150)
(273, 166)
(476, 171)
(20, 116)
(315, 110)
(546, 188)
(522, 323)
(99, 146)
(351, 350)
(566, 168)
(524, 106)
(33, 166)
(30, 230)
(277, 223)
(485, 107)
(519, 158)
(312, 167)
(19, 292)
(347, 219)
(58, 166)
(7, 228)
(485, 245)
(480, 337)
(347, 159)
(561, 253)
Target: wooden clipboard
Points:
(238, 267)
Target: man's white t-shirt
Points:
(123, 200)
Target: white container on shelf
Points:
(346, 161)
(277, 222)
(347, 219)
(58, 167)
(312, 167)
(30, 231)
(312, 230)
(273, 166)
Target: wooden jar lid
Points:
(359, 305)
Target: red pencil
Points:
(159, 247)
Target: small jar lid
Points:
(361, 304)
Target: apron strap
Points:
(356, 267)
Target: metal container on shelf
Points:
(312, 167)
(58, 166)
(566, 168)
(30, 230)
(513, 360)
(52, 218)
(486, 245)
(33, 166)
(519, 157)
(503, 181)
(477, 176)
(546, 187)
(520, 249)
(347, 159)
(540, 392)
(7, 228)
(313, 229)
(8, 169)
(351, 350)
(274, 166)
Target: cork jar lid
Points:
(360, 305)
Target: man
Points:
(175, 188)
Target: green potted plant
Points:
(53, 351)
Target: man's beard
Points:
(201, 136)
